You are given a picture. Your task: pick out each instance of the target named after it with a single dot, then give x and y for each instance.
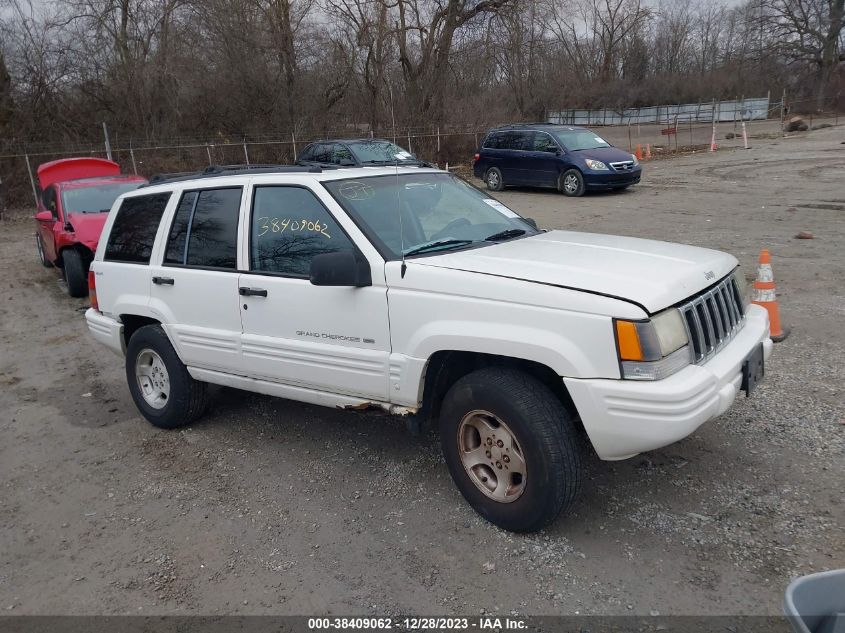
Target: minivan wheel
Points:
(493, 179)
(512, 448)
(75, 274)
(42, 256)
(571, 183)
(160, 384)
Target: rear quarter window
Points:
(134, 229)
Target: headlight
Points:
(653, 349)
(595, 164)
(636, 161)
(742, 287)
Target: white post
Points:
(208, 151)
(246, 153)
(106, 136)
(293, 138)
(438, 141)
(31, 179)
(132, 156)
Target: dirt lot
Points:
(269, 506)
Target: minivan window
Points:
(205, 229)
(575, 140)
(133, 231)
(511, 139)
(289, 227)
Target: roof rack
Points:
(230, 170)
(536, 124)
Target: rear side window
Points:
(205, 229)
(133, 231)
(510, 140)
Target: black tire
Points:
(188, 398)
(42, 256)
(548, 439)
(571, 183)
(493, 179)
(75, 273)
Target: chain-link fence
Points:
(452, 145)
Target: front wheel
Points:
(42, 256)
(493, 179)
(571, 183)
(160, 384)
(512, 448)
(76, 276)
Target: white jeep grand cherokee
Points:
(409, 290)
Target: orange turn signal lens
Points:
(629, 341)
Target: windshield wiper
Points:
(422, 248)
(504, 235)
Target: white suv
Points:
(409, 290)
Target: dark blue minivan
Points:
(571, 159)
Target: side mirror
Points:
(340, 269)
(44, 216)
(532, 222)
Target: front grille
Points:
(625, 165)
(713, 318)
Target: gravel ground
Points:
(269, 506)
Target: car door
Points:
(334, 339)
(47, 228)
(541, 160)
(194, 287)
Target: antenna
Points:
(398, 189)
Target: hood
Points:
(604, 154)
(74, 169)
(87, 227)
(652, 274)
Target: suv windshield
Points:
(95, 199)
(575, 140)
(425, 213)
(380, 152)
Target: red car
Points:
(76, 196)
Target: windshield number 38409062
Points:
(280, 225)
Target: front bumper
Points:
(106, 330)
(626, 417)
(609, 179)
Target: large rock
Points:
(796, 124)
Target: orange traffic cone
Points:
(648, 151)
(764, 295)
(639, 152)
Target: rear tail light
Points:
(92, 290)
(476, 157)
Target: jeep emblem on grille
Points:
(709, 274)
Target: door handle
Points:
(163, 281)
(252, 292)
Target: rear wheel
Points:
(160, 384)
(493, 179)
(512, 448)
(42, 256)
(75, 273)
(571, 183)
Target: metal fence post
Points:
(246, 153)
(293, 138)
(106, 136)
(782, 106)
(31, 179)
(409, 141)
(208, 151)
(438, 141)
(132, 156)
